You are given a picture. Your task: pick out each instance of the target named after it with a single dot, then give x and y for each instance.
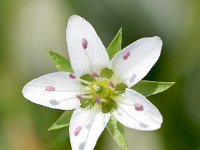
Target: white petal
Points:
(135, 111)
(87, 52)
(133, 62)
(56, 90)
(86, 127)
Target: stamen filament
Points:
(87, 96)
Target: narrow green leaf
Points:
(63, 121)
(61, 62)
(106, 73)
(115, 44)
(148, 88)
(116, 129)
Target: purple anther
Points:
(84, 43)
(138, 107)
(50, 88)
(72, 76)
(97, 98)
(126, 55)
(94, 74)
(77, 130)
(79, 96)
(111, 84)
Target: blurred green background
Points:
(29, 27)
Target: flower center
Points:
(101, 88)
(100, 91)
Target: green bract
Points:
(115, 44)
(148, 88)
(63, 121)
(60, 62)
(116, 129)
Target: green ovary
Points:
(101, 89)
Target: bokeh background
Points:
(29, 27)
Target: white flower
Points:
(66, 91)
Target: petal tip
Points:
(161, 119)
(72, 17)
(71, 20)
(24, 91)
(157, 39)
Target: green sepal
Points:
(60, 62)
(104, 108)
(109, 106)
(120, 88)
(148, 88)
(116, 129)
(87, 103)
(115, 44)
(106, 73)
(87, 77)
(63, 121)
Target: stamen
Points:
(111, 84)
(72, 76)
(138, 107)
(79, 96)
(97, 98)
(50, 88)
(94, 74)
(84, 43)
(86, 90)
(126, 55)
(77, 130)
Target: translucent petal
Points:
(56, 90)
(86, 127)
(133, 62)
(87, 52)
(135, 111)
